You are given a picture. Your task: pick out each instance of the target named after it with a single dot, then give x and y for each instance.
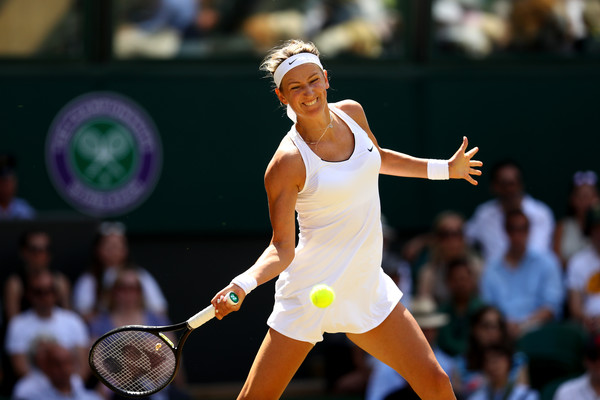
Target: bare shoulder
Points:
(354, 109)
(286, 165)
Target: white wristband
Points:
(246, 282)
(438, 170)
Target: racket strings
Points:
(135, 362)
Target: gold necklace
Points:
(330, 125)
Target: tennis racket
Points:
(137, 360)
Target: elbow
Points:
(285, 250)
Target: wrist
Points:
(246, 282)
(438, 169)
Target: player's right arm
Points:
(284, 178)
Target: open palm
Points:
(462, 166)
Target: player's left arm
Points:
(461, 165)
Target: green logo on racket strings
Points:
(234, 297)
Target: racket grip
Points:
(209, 312)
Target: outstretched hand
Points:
(461, 165)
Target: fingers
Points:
(472, 152)
(463, 145)
(224, 307)
(472, 181)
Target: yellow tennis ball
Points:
(322, 295)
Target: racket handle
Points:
(209, 312)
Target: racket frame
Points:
(156, 331)
(190, 325)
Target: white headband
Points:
(293, 62)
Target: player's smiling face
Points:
(304, 88)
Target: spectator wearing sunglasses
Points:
(569, 236)
(45, 317)
(525, 284)
(36, 257)
(446, 244)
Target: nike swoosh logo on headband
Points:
(293, 61)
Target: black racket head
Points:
(135, 361)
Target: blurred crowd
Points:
(366, 28)
(508, 297)
(166, 29)
(482, 27)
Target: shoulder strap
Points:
(354, 126)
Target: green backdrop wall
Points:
(220, 124)
(207, 218)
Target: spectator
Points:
(466, 26)
(497, 362)
(153, 28)
(360, 27)
(447, 244)
(126, 307)
(583, 277)
(463, 302)
(486, 226)
(537, 27)
(487, 327)
(110, 253)
(36, 257)
(11, 207)
(586, 386)
(525, 284)
(384, 382)
(45, 317)
(54, 377)
(569, 236)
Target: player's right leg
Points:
(278, 359)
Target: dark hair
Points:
(580, 178)
(457, 263)
(97, 268)
(515, 212)
(506, 349)
(474, 354)
(495, 170)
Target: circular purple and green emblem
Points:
(103, 154)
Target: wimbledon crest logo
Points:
(103, 154)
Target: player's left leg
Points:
(399, 342)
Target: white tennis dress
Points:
(340, 244)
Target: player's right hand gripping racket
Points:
(137, 360)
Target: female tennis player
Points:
(326, 169)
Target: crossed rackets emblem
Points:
(102, 156)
